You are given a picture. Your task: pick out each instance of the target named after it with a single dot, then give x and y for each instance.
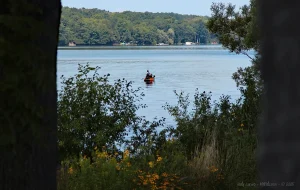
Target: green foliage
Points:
(238, 31)
(104, 173)
(212, 147)
(223, 135)
(92, 112)
(189, 133)
(219, 135)
(233, 28)
(119, 171)
(99, 27)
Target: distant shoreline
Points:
(138, 47)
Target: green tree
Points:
(237, 31)
(171, 36)
(184, 33)
(100, 27)
(202, 33)
(124, 28)
(92, 112)
(144, 35)
(162, 37)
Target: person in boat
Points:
(148, 75)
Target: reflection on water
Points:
(149, 84)
(178, 68)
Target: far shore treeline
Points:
(100, 27)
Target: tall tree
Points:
(279, 140)
(238, 32)
(28, 140)
(235, 29)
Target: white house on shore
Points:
(72, 44)
(189, 43)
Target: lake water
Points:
(180, 68)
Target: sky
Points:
(195, 7)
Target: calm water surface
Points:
(180, 68)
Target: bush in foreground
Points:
(212, 147)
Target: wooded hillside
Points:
(100, 27)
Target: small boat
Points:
(149, 79)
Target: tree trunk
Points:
(28, 120)
(279, 146)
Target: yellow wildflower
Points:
(213, 169)
(242, 125)
(126, 154)
(145, 182)
(71, 171)
(159, 159)
(118, 167)
(166, 183)
(151, 164)
(155, 176)
(102, 155)
(141, 177)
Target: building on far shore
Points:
(72, 43)
(189, 43)
(162, 44)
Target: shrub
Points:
(114, 171)
(212, 147)
(219, 135)
(92, 112)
